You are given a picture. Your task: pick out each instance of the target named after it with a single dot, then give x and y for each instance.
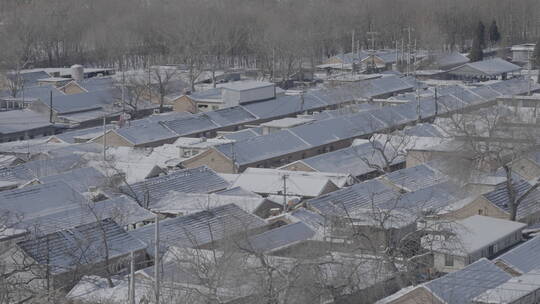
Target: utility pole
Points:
(132, 279)
(104, 138)
(50, 107)
(529, 77)
(233, 158)
(156, 259)
(285, 207)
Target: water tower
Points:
(77, 72)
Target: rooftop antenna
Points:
(156, 264)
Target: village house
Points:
(521, 259)
(496, 203)
(495, 68)
(470, 239)
(56, 261)
(196, 180)
(204, 229)
(458, 287)
(522, 289)
(522, 54)
(177, 203)
(279, 183)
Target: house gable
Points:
(212, 159)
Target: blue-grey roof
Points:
(263, 147)
(513, 86)
(238, 191)
(283, 106)
(39, 200)
(146, 133)
(81, 102)
(22, 120)
(525, 257)
(69, 136)
(449, 60)
(121, 209)
(423, 130)
(350, 200)
(415, 178)
(355, 160)
(486, 92)
(42, 92)
(494, 66)
(155, 118)
(196, 180)
(41, 168)
(230, 116)
(429, 199)
(214, 93)
(461, 286)
(201, 228)
(53, 166)
(499, 197)
(280, 237)
(68, 249)
(243, 134)
(80, 179)
(191, 125)
(28, 79)
(96, 84)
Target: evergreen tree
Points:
(494, 35)
(476, 53)
(481, 34)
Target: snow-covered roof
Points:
(187, 203)
(196, 180)
(270, 181)
(246, 85)
(287, 122)
(473, 234)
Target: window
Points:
(448, 260)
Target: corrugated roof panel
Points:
(122, 209)
(280, 237)
(461, 286)
(230, 116)
(191, 125)
(351, 200)
(146, 133)
(263, 147)
(415, 178)
(355, 160)
(196, 180)
(83, 245)
(201, 228)
(524, 257)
